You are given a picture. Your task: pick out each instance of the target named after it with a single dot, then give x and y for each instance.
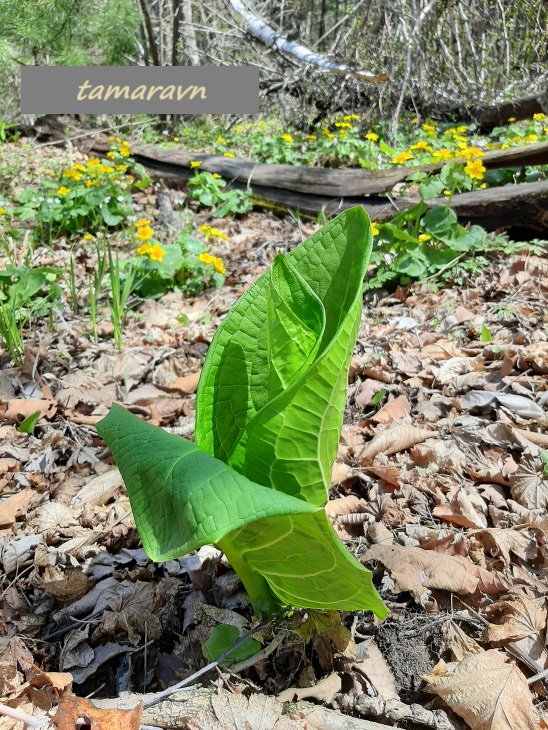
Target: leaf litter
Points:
(439, 486)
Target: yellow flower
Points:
(462, 129)
(372, 136)
(545, 130)
(118, 140)
(121, 168)
(475, 169)
(144, 249)
(327, 133)
(111, 155)
(89, 183)
(350, 117)
(79, 167)
(402, 157)
(94, 162)
(205, 258)
(483, 185)
(218, 234)
(422, 145)
(531, 138)
(228, 154)
(374, 229)
(206, 230)
(287, 138)
(424, 237)
(63, 191)
(3, 211)
(195, 163)
(343, 125)
(311, 137)
(442, 153)
(447, 192)
(125, 144)
(216, 176)
(175, 139)
(218, 265)
(88, 237)
(511, 119)
(107, 169)
(144, 233)
(538, 117)
(124, 152)
(505, 146)
(111, 139)
(72, 173)
(470, 152)
(239, 129)
(142, 222)
(156, 253)
(220, 140)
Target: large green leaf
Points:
(288, 442)
(304, 563)
(182, 497)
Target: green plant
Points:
(120, 292)
(184, 265)
(207, 188)
(25, 293)
(4, 127)
(95, 288)
(86, 197)
(270, 408)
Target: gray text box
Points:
(139, 90)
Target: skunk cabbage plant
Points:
(269, 412)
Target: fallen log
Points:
(316, 181)
(497, 115)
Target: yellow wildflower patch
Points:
(144, 249)
(442, 154)
(372, 136)
(421, 145)
(63, 191)
(424, 237)
(287, 138)
(539, 117)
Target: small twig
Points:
(159, 696)
(28, 720)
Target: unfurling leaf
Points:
(269, 408)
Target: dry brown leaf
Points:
(529, 486)
(487, 692)
(500, 541)
(324, 691)
(341, 472)
(72, 708)
(459, 643)
(461, 511)
(98, 490)
(371, 663)
(186, 384)
(457, 366)
(416, 570)
(514, 617)
(345, 505)
(20, 409)
(394, 440)
(442, 350)
(393, 412)
(61, 682)
(15, 506)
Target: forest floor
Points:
(440, 487)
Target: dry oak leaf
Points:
(19, 409)
(72, 708)
(416, 570)
(186, 384)
(486, 691)
(516, 616)
(394, 440)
